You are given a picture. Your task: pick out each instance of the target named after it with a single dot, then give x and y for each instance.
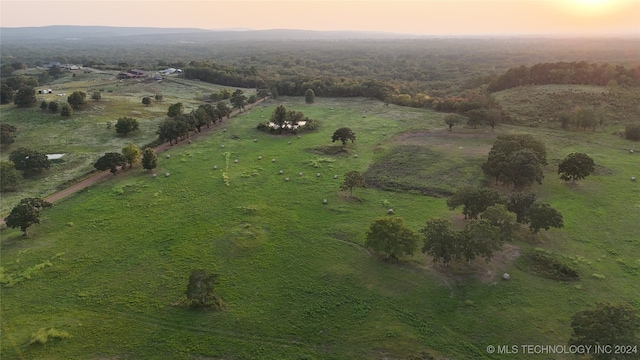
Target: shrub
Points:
(632, 132)
(43, 335)
(543, 263)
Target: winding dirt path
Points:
(105, 175)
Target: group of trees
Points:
(30, 162)
(577, 73)
(130, 155)
(178, 125)
(287, 121)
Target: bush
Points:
(632, 132)
(543, 263)
(44, 335)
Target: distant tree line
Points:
(574, 73)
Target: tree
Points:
(585, 118)
(564, 117)
(519, 203)
(606, 325)
(309, 96)
(390, 237)
(175, 110)
(352, 179)
(516, 159)
(53, 107)
(274, 92)
(222, 110)
(149, 159)
(343, 134)
(25, 97)
(26, 213)
(172, 130)
(55, 72)
(576, 166)
(499, 216)
(6, 94)
(111, 161)
(476, 117)
(252, 99)
(146, 100)
(7, 134)
(66, 110)
(77, 100)
(453, 119)
(8, 176)
(132, 153)
(159, 97)
(200, 292)
(238, 100)
(96, 96)
(279, 116)
(440, 242)
(44, 105)
(479, 238)
(202, 117)
(30, 162)
(125, 125)
(474, 200)
(543, 216)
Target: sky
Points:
(429, 17)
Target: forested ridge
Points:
(444, 74)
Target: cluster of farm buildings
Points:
(141, 74)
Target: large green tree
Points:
(110, 161)
(132, 153)
(7, 134)
(519, 203)
(390, 237)
(516, 159)
(454, 119)
(440, 241)
(479, 238)
(576, 166)
(125, 125)
(175, 110)
(607, 325)
(25, 97)
(474, 200)
(149, 159)
(200, 291)
(499, 216)
(352, 179)
(30, 162)
(343, 135)
(77, 100)
(543, 216)
(26, 213)
(238, 100)
(222, 110)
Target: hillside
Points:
(542, 104)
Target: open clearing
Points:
(106, 264)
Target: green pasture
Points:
(108, 264)
(86, 136)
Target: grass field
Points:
(107, 264)
(85, 136)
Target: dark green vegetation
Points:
(109, 266)
(26, 213)
(608, 324)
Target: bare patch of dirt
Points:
(487, 272)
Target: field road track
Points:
(105, 175)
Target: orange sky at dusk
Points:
(430, 17)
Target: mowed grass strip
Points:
(293, 272)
